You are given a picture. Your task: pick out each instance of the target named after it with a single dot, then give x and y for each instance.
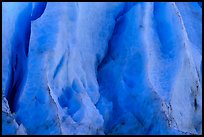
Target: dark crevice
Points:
(105, 59)
(59, 66)
(16, 62)
(198, 74)
(20, 49)
(100, 63)
(26, 39)
(195, 104)
(127, 7)
(38, 10)
(108, 53)
(108, 56)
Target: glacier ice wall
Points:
(102, 68)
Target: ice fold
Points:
(102, 68)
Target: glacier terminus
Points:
(100, 68)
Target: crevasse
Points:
(102, 68)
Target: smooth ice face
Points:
(102, 68)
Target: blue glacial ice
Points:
(102, 68)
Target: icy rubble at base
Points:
(117, 68)
(8, 121)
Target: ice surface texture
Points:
(102, 68)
